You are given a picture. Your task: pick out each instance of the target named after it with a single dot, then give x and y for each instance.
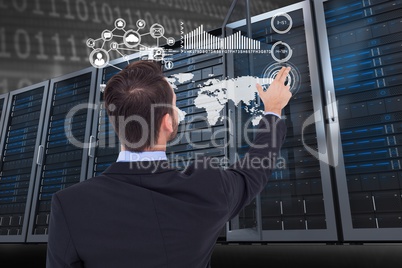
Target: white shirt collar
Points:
(127, 156)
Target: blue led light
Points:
(348, 143)
(351, 166)
(6, 199)
(363, 142)
(350, 56)
(380, 152)
(364, 62)
(346, 132)
(382, 164)
(355, 86)
(357, 13)
(340, 88)
(9, 178)
(368, 73)
(369, 84)
(353, 76)
(355, 4)
(352, 65)
(51, 179)
(8, 185)
(344, 17)
(336, 59)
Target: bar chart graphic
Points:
(198, 39)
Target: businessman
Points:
(140, 212)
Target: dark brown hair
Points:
(136, 100)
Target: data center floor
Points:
(253, 255)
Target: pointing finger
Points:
(284, 74)
(280, 74)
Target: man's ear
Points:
(167, 123)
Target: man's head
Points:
(141, 106)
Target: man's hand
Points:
(277, 96)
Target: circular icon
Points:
(293, 78)
(99, 58)
(281, 23)
(114, 45)
(120, 23)
(131, 38)
(156, 30)
(168, 65)
(90, 43)
(158, 53)
(281, 52)
(141, 24)
(107, 35)
(171, 41)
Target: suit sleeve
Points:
(61, 251)
(248, 176)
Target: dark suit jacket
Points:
(145, 214)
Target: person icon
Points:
(99, 58)
(99, 61)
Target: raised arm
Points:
(247, 177)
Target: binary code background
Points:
(43, 39)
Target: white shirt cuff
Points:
(265, 113)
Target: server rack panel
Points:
(297, 203)
(104, 143)
(360, 50)
(196, 138)
(21, 136)
(3, 109)
(63, 151)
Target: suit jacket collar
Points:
(141, 167)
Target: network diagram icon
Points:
(124, 40)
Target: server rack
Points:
(20, 137)
(361, 53)
(196, 138)
(3, 109)
(104, 143)
(63, 151)
(348, 121)
(297, 203)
